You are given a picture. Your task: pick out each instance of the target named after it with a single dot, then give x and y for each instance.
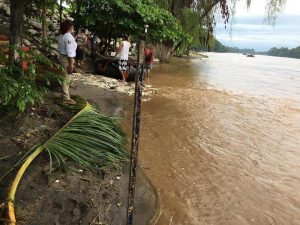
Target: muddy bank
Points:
(112, 85)
(146, 198)
(78, 197)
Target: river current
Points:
(221, 140)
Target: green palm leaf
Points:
(90, 139)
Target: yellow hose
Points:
(12, 192)
(21, 171)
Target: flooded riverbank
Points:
(221, 140)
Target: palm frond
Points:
(90, 139)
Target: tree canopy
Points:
(176, 24)
(197, 17)
(114, 17)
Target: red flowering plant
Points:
(18, 86)
(25, 58)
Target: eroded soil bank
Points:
(78, 197)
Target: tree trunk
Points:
(44, 21)
(163, 52)
(60, 11)
(16, 27)
(78, 10)
(188, 50)
(166, 54)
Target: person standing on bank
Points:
(81, 40)
(67, 49)
(123, 53)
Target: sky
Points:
(249, 28)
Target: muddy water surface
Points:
(221, 141)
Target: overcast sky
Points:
(250, 30)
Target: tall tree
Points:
(60, 11)
(16, 27)
(198, 15)
(44, 5)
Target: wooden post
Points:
(135, 131)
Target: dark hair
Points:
(125, 37)
(65, 26)
(82, 30)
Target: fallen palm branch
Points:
(89, 139)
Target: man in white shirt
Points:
(67, 49)
(123, 53)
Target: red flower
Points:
(25, 49)
(24, 65)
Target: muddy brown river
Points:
(221, 141)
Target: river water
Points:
(221, 141)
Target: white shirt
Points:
(125, 46)
(67, 45)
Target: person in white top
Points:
(67, 49)
(123, 53)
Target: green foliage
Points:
(116, 17)
(3, 59)
(91, 140)
(163, 26)
(217, 46)
(32, 5)
(196, 16)
(176, 23)
(47, 44)
(285, 52)
(18, 93)
(18, 88)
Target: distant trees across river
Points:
(285, 52)
(217, 46)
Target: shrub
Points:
(18, 86)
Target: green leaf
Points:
(91, 140)
(21, 104)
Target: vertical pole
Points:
(135, 131)
(146, 35)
